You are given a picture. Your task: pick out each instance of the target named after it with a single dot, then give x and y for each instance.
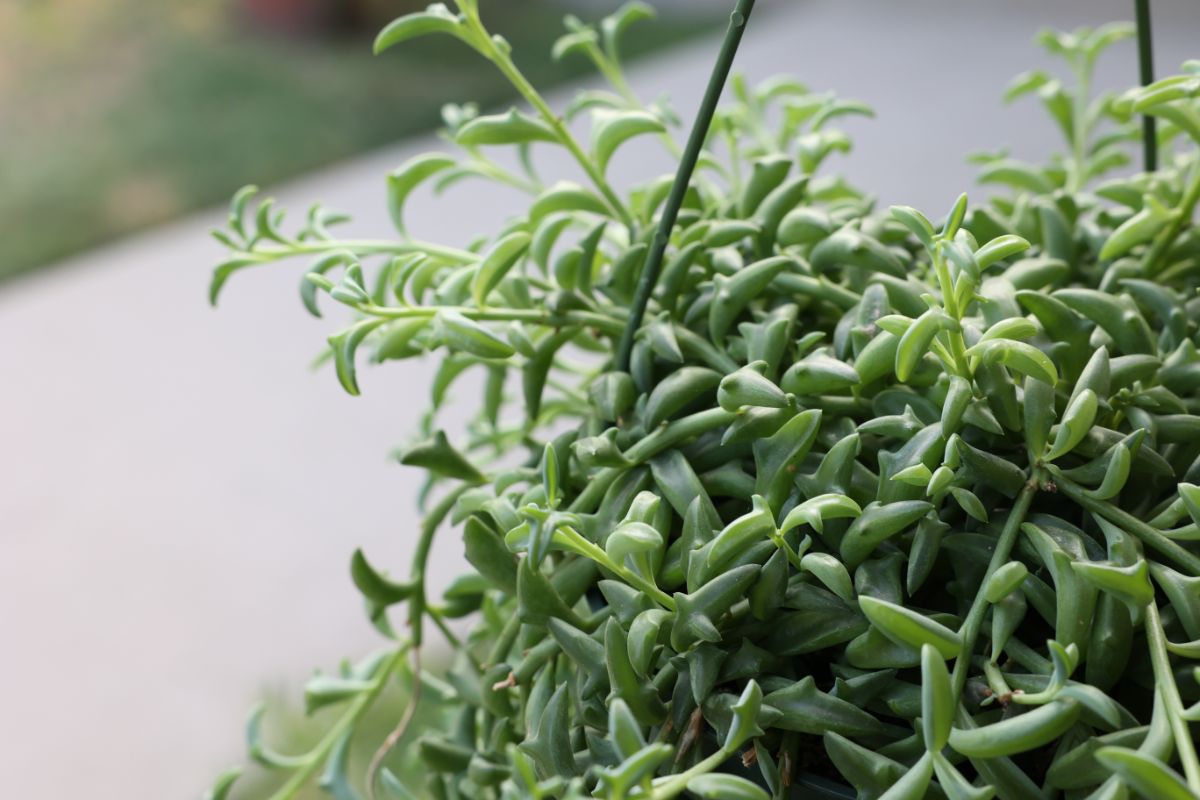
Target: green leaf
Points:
(913, 785)
(513, 127)
(496, 263)
(937, 699)
(767, 173)
(999, 249)
(643, 637)
(916, 222)
(612, 393)
(850, 247)
(344, 346)
(733, 294)
(1076, 422)
(224, 784)
(744, 726)
(1018, 357)
(1018, 734)
(819, 374)
(435, 19)
(550, 482)
(1144, 774)
(907, 627)
(623, 729)
(437, 455)
(806, 709)
(616, 23)
(632, 538)
(1004, 581)
(756, 525)
(1025, 83)
(955, 217)
(1115, 475)
(610, 129)
(679, 390)
(1018, 175)
(749, 387)
(870, 772)
(550, 745)
(955, 784)
(775, 457)
(831, 573)
(816, 510)
(408, 176)
(376, 587)
(260, 752)
(969, 502)
(642, 699)
(226, 268)
(1141, 227)
(565, 196)
(577, 41)
(539, 601)
(458, 332)
(695, 612)
(1116, 314)
(718, 786)
(325, 690)
(1130, 584)
(877, 523)
(485, 550)
(916, 340)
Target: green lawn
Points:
(118, 114)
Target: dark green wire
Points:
(687, 165)
(1146, 70)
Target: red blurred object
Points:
(309, 17)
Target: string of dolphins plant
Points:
(773, 493)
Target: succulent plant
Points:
(774, 490)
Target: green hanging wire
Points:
(1146, 73)
(687, 165)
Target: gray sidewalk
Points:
(181, 495)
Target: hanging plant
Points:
(773, 493)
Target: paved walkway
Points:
(181, 495)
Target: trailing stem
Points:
(1004, 545)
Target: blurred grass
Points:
(119, 114)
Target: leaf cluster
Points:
(908, 503)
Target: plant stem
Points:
(1149, 536)
(1004, 545)
(1164, 679)
(1146, 75)
(673, 785)
(360, 247)
(358, 707)
(958, 348)
(1081, 128)
(499, 56)
(502, 175)
(589, 319)
(585, 547)
(683, 177)
(420, 563)
(1187, 207)
(417, 608)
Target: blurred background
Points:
(179, 493)
(119, 114)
